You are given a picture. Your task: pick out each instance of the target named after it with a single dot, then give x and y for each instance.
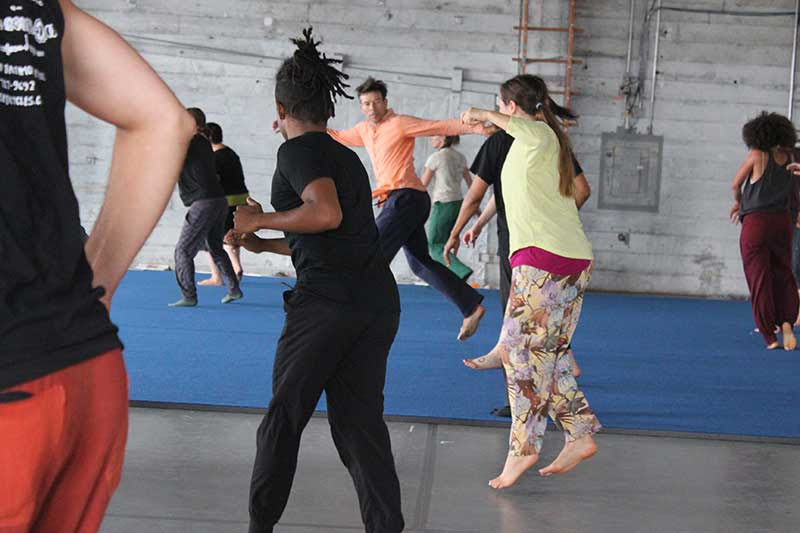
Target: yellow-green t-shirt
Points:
(538, 215)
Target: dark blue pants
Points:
(401, 224)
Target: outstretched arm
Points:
(256, 244)
(105, 77)
(418, 127)
(349, 137)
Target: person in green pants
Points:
(444, 171)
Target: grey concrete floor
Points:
(188, 471)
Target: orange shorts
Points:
(62, 443)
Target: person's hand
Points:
(248, 241)
(451, 246)
(487, 130)
(245, 219)
(734, 213)
(474, 117)
(794, 168)
(471, 235)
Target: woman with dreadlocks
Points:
(551, 261)
(343, 313)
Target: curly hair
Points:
(769, 130)
(307, 84)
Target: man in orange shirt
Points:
(389, 140)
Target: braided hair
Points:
(307, 84)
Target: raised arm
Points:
(349, 137)
(105, 77)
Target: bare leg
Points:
(214, 278)
(233, 253)
(470, 324)
(576, 370)
(515, 466)
(571, 455)
(789, 340)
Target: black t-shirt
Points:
(344, 265)
(199, 179)
(50, 316)
(488, 165)
(229, 170)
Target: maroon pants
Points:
(766, 245)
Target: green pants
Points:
(440, 223)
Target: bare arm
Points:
(471, 235)
(746, 169)
(257, 245)
(467, 177)
(582, 190)
(427, 176)
(320, 212)
(105, 77)
(474, 115)
(469, 207)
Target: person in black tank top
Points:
(343, 313)
(766, 203)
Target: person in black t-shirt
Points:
(63, 385)
(202, 193)
(487, 166)
(231, 177)
(342, 315)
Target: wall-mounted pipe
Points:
(655, 68)
(794, 60)
(627, 83)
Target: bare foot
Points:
(571, 455)
(515, 466)
(210, 281)
(789, 340)
(773, 346)
(491, 360)
(576, 370)
(470, 324)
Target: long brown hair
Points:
(530, 94)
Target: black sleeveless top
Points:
(775, 191)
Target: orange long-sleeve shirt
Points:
(390, 145)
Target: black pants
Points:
(505, 279)
(401, 224)
(323, 347)
(203, 229)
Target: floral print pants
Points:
(541, 317)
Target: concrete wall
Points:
(439, 57)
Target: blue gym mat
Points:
(649, 363)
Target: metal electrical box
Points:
(630, 171)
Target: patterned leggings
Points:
(541, 317)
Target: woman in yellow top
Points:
(551, 261)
